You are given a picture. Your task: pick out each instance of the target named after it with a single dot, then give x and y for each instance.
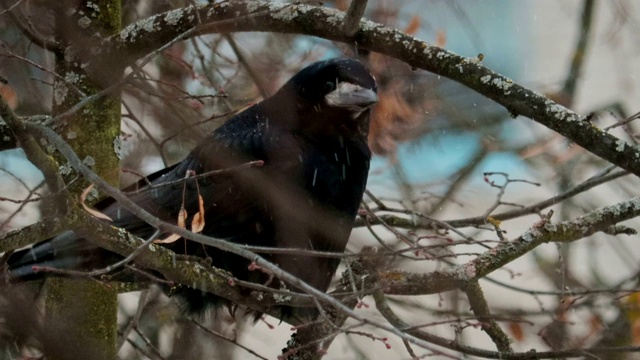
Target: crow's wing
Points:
(229, 210)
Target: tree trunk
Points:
(81, 314)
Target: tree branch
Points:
(407, 223)
(386, 311)
(142, 37)
(577, 60)
(480, 307)
(351, 23)
(35, 154)
(402, 283)
(42, 230)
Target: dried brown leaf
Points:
(182, 220)
(182, 217)
(413, 25)
(516, 331)
(9, 96)
(169, 239)
(197, 224)
(392, 121)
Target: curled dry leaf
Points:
(197, 224)
(95, 213)
(198, 219)
(182, 217)
(182, 220)
(168, 240)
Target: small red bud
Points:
(196, 105)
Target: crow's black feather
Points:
(312, 137)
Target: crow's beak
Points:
(351, 96)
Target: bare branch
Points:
(594, 181)
(387, 312)
(579, 52)
(257, 78)
(354, 14)
(491, 260)
(489, 325)
(34, 153)
(141, 38)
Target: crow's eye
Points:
(329, 86)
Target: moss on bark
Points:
(81, 314)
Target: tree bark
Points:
(81, 314)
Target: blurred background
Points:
(434, 141)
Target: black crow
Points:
(311, 136)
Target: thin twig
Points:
(222, 337)
(257, 78)
(580, 49)
(142, 302)
(480, 307)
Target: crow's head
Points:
(340, 83)
(330, 95)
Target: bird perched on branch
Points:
(312, 139)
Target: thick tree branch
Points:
(42, 230)
(142, 37)
(163, 260)
(543, 232)
(386, 311)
